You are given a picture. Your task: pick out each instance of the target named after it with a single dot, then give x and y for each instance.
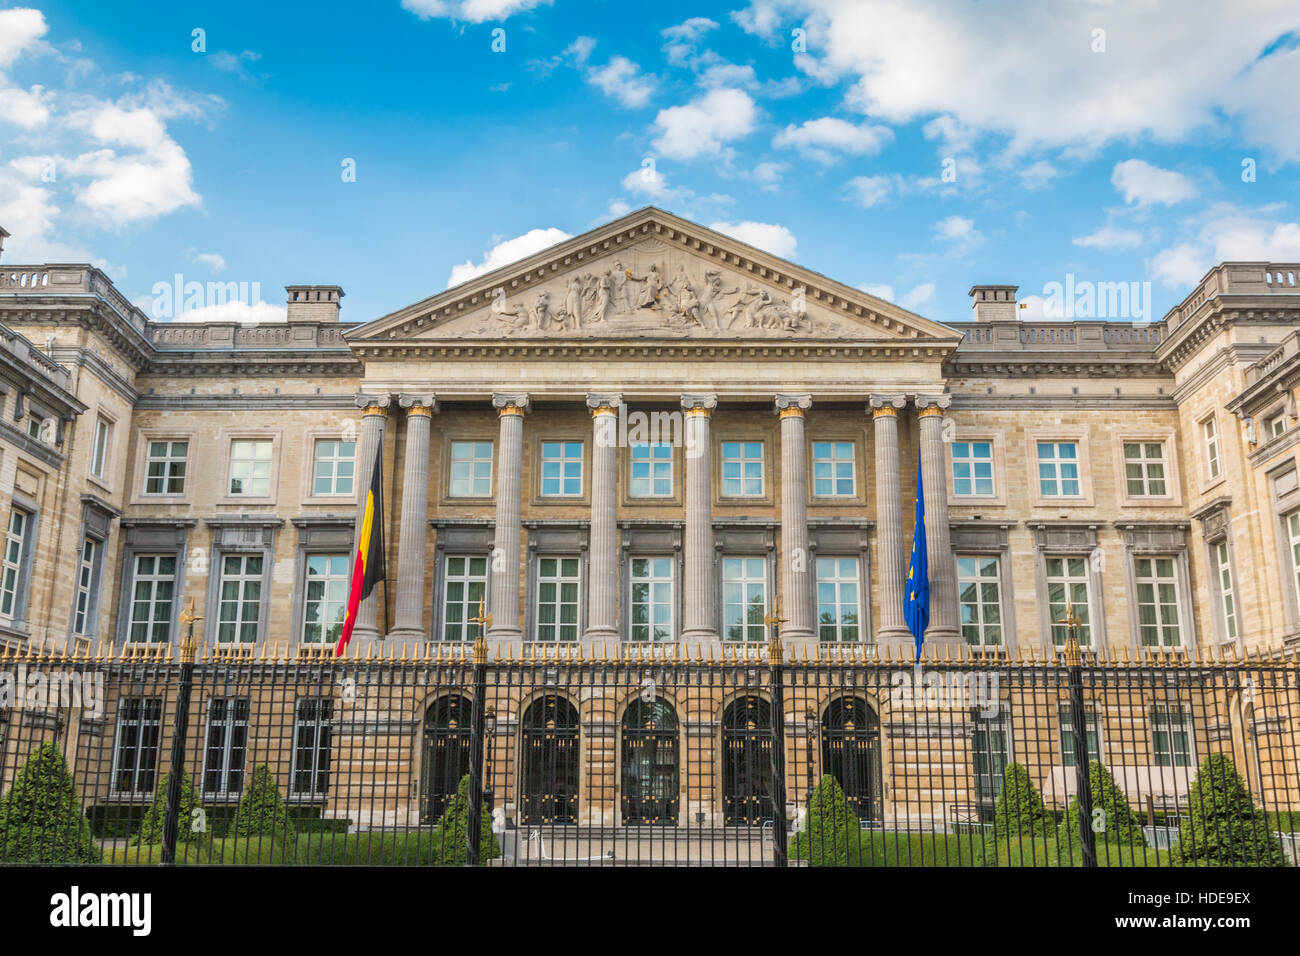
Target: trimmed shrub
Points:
(40, 817)
(830, 834)
(1121, 827)
(450, 844)
(1226, 828)
(262, 819)
(151, 827)
(1019, 808)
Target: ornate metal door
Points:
(851, 753)
(747, 762)
(447, 727)
(549, 762)
(650, 791)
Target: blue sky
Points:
(910, 148)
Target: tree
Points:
(451, 835)
(151, 827)
(1019, 808)
(262, 815)
(1118, 825)
(1226, 827)
(830, 836)
(40, 817)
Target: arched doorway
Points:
(650, 793)
(447, 726)
(747, 762)
(548, 789)
(851, 753)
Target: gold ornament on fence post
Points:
(188, 617)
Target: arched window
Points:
(447, 726)
(549, 762)
(851, 753)
(650, 793)
(747, 762)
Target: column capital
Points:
(510, 403)
(932, 404)
(368, 400)
(886, 404)
(414, 402)
(607, 402)
(787, 404)
(699, 403)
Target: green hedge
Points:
(40, 817)
(1226, 828)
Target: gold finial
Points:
(187, 619)
(775, 619)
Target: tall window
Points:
(990, 754)
(838, 604)
(1227, 593)
(744, 598)
(164, 468)
(1058, 469)
(742, 469)
(1144, 469)
(1210, 432)
(972, 468)
(1067, 587)
(652, 471)
(326, 598)
(1157, 587)
(99, 447)
(1067, 735)
(471, 469)
(241, 598)
(1171, 736)
(1293, 529)
(87, 579)
(557, 599)
(153, 589)
(651, 602)
(226, 747)
(14, 559)
(334, 467)
(834, 467)
(561, 469)
(135, 747)
(250, 468)
(466, 584)
(312, 740)
(979, 596)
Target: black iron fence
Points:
(647, 754)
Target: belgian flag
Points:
(368, 568)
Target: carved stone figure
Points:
(652, 284)
(604, 295)
(621, 297)
(542, 311)
(572, 317)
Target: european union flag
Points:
(916, 602)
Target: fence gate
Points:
(747, 762)
(851, 753)
(650, 764)
(549, 762)
(447, 729)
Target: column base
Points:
(895, 638)
(408, 634)
(942, 634)
(699, 634)
(798, 635)
(597, 635)
(362, 633)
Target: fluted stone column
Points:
(796, 561)
(892, 630)
(602, 600)
(701, 622)
(409, 623)
(938, 537)
(373, 422)
(505, 550)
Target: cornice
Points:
(971, 401)
(170, 402)
(1021, 364)
(1221, 311)
(546, 350)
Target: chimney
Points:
(314, 303)
(994, 303)
(3, 236)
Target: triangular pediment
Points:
(651, 276)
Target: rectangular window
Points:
(1067, 736)
(334, 467)
(1157, 587)
(742, 469)
(312, 738)
(1227, 595)
(990, 754)
(87, 579)
(979, 597)
(226, 748)
(1144, 469)
(241, 598)
(1275, 426)
(1067, 588)
(838, 605)
(99, 448)
(561, 469)
(1210, 431)
(557, 599)
(250, 468)
(471, 469)
(135, 747)
(1058, 469)
(463, 597)
(164, 469)
(326, 598)
(153, 588)
(652, 471)
(12, 568)
(651, 602)
(834, 466)
(1171, 736)
(744, 599)
(972, 468)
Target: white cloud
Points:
(20, 29)
(470, 11)
(705, 125)
(25, 108)
(504, 253)
(648, 181)
(235, 311)
(918, 296)
(866, 191)
(885, 292)
(1226, 233)
(623, 80)
(768, 176)
(1180, 266)
(770, 237)
(821, 139)
(1143, 184)
(1110, 237)
(680, 40)
(581, 48)
(213, 260)
(959, 232)
(1037, 175)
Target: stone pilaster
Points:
(409, 622)
(938, 536)
(796, 561)
(374, 420)
(701, 622)
(505, 551)
(602, 591)
(892, 630)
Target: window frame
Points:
(1210, 443)
(652, 498)
(144, 720)
(765, 484)
(1164, 713)
(855, 476)
(535, 605)
(21, 566)
(314, 440)
(564, 461)
(764, 577)
(1091, 721)
(228, 440)
(100, 463)
(229, 723)
(325, 602)
(219, 575)
(452, 441)
(85, 618)
(317, 723)
(980, 624)
(1070, 580)
(155, 579)
(653, 579)
(838, 580)
(1080, 438)
(1155, 582)
(953, 461)
(468, 579)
